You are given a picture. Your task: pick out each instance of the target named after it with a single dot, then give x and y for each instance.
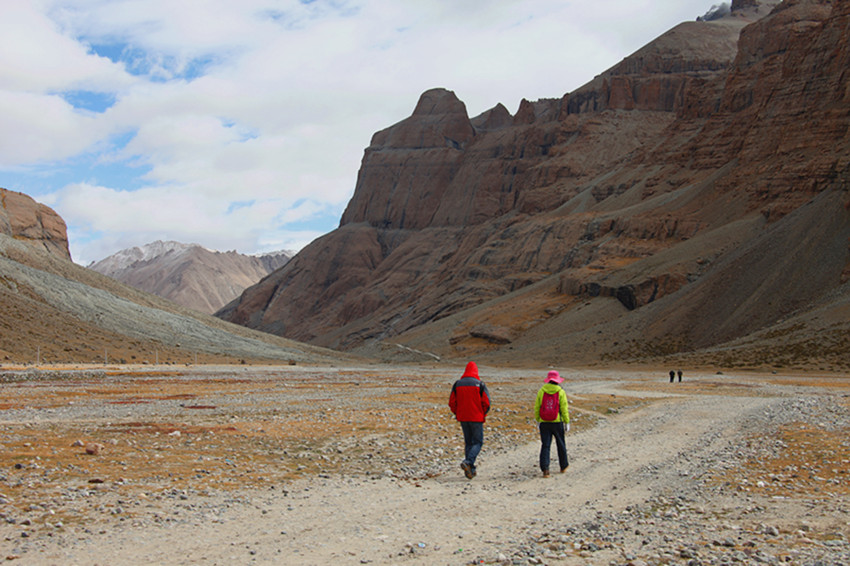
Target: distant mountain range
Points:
(189, 274)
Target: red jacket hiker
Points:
(470, 400)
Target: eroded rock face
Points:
(407, 171)
(787, 98)
(24, 219)
(632, 189)
(659, 76)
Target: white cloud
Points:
(170, 213)
(35, 56)
(43, 128)
(240, 123)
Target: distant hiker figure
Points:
(470, 403)
(553, 415)
(672, 375)
(680, 376)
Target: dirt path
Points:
(621, 462)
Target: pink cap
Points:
(554, 377)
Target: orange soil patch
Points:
(815, 462)
(519, 315)
(812, 461)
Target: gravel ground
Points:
(360, 466)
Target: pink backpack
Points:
(550, 407)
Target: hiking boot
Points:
(468, 470)
(564, 469)
(545, 473)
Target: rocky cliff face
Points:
(642, 197)
(26, 220)
(188, 274)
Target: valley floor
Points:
(359, 465)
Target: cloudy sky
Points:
(241, 125)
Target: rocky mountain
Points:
(691, 200)
(25, 220)
(54, 310)
(189, 274)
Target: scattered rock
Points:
(94, 448)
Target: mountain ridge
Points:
(123, 259)
(189, 274)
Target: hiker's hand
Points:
(568, 427)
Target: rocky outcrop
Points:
(27, 220)
(681, 71)
(631, 296)
(407, 172)
(659, 76)
(623, 198)
(189, 274)
(496, 118)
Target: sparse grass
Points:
(700, 387)
(586, 410)
(805, 460)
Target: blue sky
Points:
(241, 125)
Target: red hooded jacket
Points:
(470, 401)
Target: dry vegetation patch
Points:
(798, 467)
(587, 409)
(804, 460)
(701, 387)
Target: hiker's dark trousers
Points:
(473, 439)
(547, 432)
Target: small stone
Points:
(94, 448)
